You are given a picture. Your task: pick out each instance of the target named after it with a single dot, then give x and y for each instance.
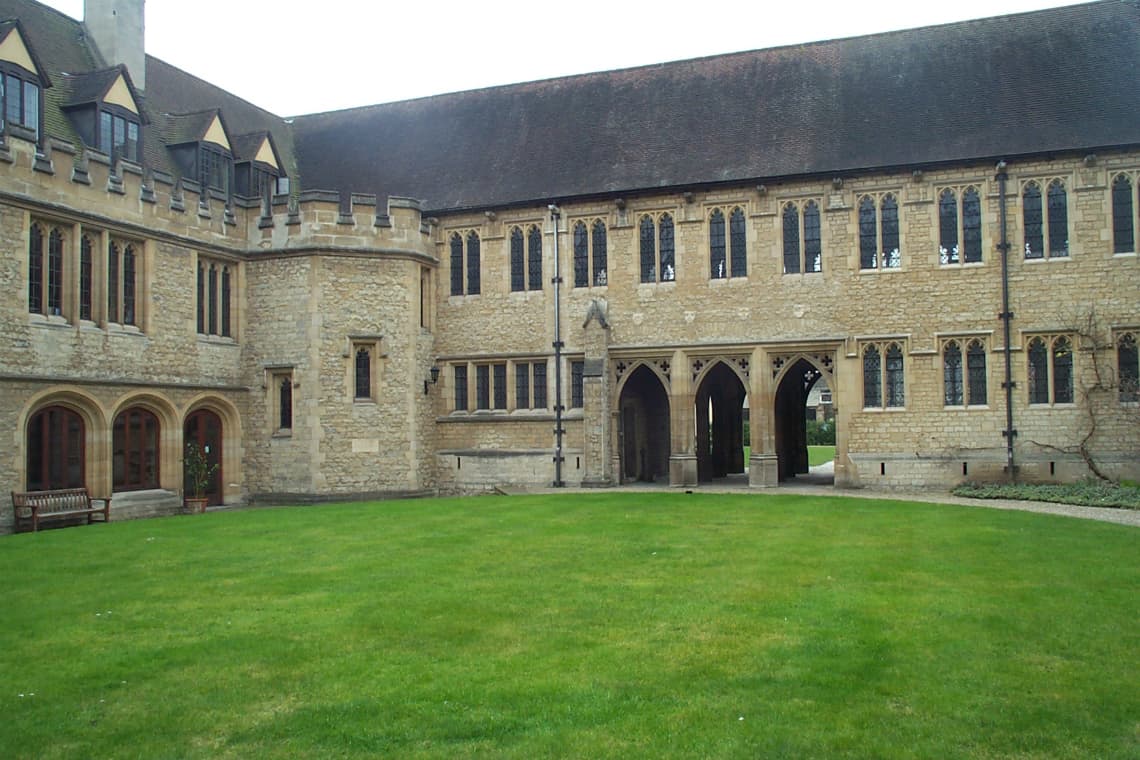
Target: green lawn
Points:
(817, 455)
(582, 625)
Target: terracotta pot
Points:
(195, 506)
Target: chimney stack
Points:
(118, 29)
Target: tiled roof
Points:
(1032, 83)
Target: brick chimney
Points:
(118, 29)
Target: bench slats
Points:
(34, 506)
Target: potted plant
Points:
(198, 473)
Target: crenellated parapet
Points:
(85, 185)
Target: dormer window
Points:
(214, 167)
(119, 134)
(257, 166)
(21, 97)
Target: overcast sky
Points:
(337, 54)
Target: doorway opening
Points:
(204, 428)
(720, 424)
(643, 428)
(791, 421)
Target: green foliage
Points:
(821, 432)
(607, 625)
(1087, 493)
(198, 468)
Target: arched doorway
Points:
(720, 424)
(135, 450)
(643, 429)
(55, 450)
(204, 428)
(791, 418)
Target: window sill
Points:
(882, 270)
(961, 265)
(216, 340)
(1124, 255)
(48, 320)
(1047, 259)
(115, 327)
(971, 408)
(283, 433)
(884, 409)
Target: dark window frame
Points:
(1128, 367)
(135, 450)
(17, 111)
(1123, 214)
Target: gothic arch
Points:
(721, 390)
(96, 446)
(170, 432)
(232, 452)
(644, 412)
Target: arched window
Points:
(1058, 219)
(972, 225)
(134, 451)
(45, 272)
(964, 385)
(55, 450)
(952, 374)
(1050, 370)
(737, 243)
(868, 233)
(665, 232)
(534, 258)
(894, 376)
(598, 237)
(128, 284)
(456, 265)
(791, 239)
(648, 238)
(813, 245)
(1032, 218)
(1128, 367)
(718, 261)
(36, 269)
(285, 402)
(948, 252)
(1062, 371)
(55, 272)
(473, 263)
(517, 278)
(581, 256)
(1038, 372)
(872, 380)
(976, 373)
(1123, 219)
(892, 255)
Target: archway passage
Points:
(644, 427)
(204, 428)
(720, 424)
(791, 418)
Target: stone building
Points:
(579, 280)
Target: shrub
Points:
(821, 433)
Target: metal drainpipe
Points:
(555, 216)
(1006, 317)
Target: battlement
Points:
(80, 181)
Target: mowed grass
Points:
(598, 625)
(817, 455)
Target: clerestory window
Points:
(657, 248)
(464, 261)
(590, 254)
(728, 255)
(879, 240)
(959, 226)
(803, 249)
(1045, 218)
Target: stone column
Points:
(763, 466)
(682, 449)
(597, 417)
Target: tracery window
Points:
(283, 385)
(590, 254)
(1123, 215)
(728, 257)
(959, 226)
(884, 383)
(526, 270)
(1128, 367)
(803, 250)
(464, 261)
(134, 450)
(968, 387)
(460, 380)
(577, 389)
(657, 249)
(1046, 224)
(362, 372)
(45, 269)
(1050, 370)
(879, 241)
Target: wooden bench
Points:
(34, 507)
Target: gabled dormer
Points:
(257, 166)
(106, 111)
(22, 82)
(201, 147)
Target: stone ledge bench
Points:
(35, 507)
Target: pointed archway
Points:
(643, 427)
(720, 424)
(791, 418)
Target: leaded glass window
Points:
(948, 231)
(86, 276)
(226, 301)
(456, 265)
(55, 272)
(534, 258)
(737, 243)
(500, 381)
(668, 271)
(813, 246)
(648, 238)
(1123, 231)
(581, 243)
(868, 234)
(1033, 220)
(718, 263)
(1128, 367)
(517, 260)
(128, 284)
(1038, 372)
(472, 263)
(285, 403)
(483, 386)
(36, 269)
(972, 225)
(522, 385)
(540, 385)
(1058, 219)
(362, 373)
(872, 380)
(894, 376)
(952, 374)
(976, 373)
(577, 394)
(791, 239)
(113, 282)
(134, 450)
(892, 257)
(1062, 371)
(599, 239)
(460, 376)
